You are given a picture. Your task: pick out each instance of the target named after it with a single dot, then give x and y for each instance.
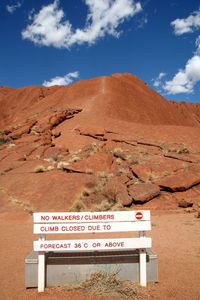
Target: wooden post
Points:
(143, 263)
(41, 268)
(143, 268)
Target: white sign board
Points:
(67, 217)
(93, 244)
(91, 227)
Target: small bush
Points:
(198, 215)
(3, 139)
(35, 130)
(105, 205)
(39, 169)
(168, 150)
(94, 148)
(151, 176)
(75, 158)
(119, 153)
(186, 167)
(105, 175)
(167, 173)
(183, 150)
(50, 168)
(61, 165)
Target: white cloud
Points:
(189, 24)
(197, 43)
(65, 80)
(158, 80)
(48, 27)
(12, 8)
(185, 80)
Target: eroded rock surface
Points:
(93, 145)
(143, 192)
(180, 182)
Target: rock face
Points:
(180, 182)
(185, 204)
(143, 192)
(120, 96)
(104, 143)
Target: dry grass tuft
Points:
(186, 167)
(119, 153)
(106, 205)
(78, 206)
(107, 284)
(181, 150)
(50, 168)
(25, 206)
(151, 177)
(39, 169)
(167, 173)
(3, 138)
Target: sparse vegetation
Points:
(183, 150)
(198, 214)
(61, 165)
(78, 205)
(26, 206)
(118, 161)
(107, 284)
(50, 168)
(84, 153)
(106, 204)
(35, 130)
(167, 173)
(39, 169)
(54, 158)
(105, 175)
(122, 155)
(151, 176)
(180, 150)
(168, 150)
(119, 153)
(94, 148)
(74, 158)
(109, 204)
(186, 167)
(133, 160)
(3, 138)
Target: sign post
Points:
(91, 222)
(41, 268)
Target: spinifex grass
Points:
(107, 284)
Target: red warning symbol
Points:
(139, 215)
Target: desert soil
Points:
(175, 239)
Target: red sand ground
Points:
(175, 240)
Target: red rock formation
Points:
(110, 140)
(120, 97)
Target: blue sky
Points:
(59, 42)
